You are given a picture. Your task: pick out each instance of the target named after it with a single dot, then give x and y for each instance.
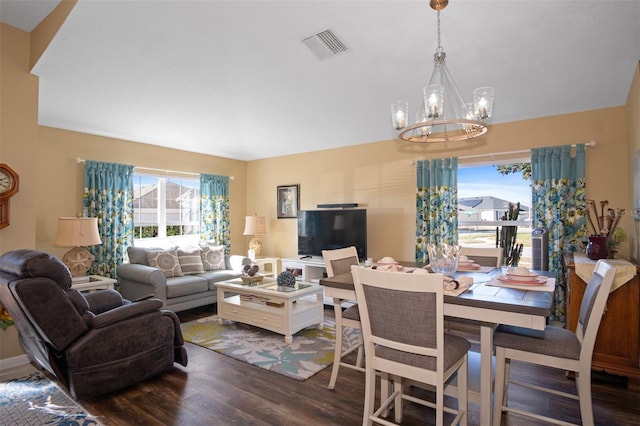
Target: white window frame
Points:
(162, 240)
(523, 223)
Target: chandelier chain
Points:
(439, 49)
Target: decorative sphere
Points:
(286, 279)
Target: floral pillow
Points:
(190, 260)
(212, 257)
(165, 260)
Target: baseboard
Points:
(8, 366)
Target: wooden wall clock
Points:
(8, 188)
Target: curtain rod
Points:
(589, 144)
(151, 169)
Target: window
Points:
(166, 210)
(484, 196)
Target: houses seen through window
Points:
(485, 193)
(166, 210)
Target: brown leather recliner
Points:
(94, 343)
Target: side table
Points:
(616, 348)
(272, 262)
(96, 282)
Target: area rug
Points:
(310, 351)
(36, 400)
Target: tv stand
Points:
(306, 268)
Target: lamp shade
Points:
(254, 225)
(77, 232)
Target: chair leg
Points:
(369, 396)
(337, 353)
(385, 390)
(583, 383)
(360, 356)
(500, 384)
(440, 406)
(507, 378)
(463, 391)
(397, 403)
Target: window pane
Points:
(484, 196)
(145, 200)
(166, 207)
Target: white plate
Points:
(536, 281)
(516, 277)
(468, 266)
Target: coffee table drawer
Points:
(252, 313)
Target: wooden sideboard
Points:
(616, 349)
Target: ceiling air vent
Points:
(325, 44)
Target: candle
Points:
(482, 109)
(401, 120)
(432, 108)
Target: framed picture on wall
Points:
(288, 201)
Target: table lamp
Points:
(254, 225)
(77, 232)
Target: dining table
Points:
(489, 301)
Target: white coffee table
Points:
(282, 310)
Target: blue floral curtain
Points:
(108, 195)
(559, 205)
(214, 209)
(436, 204)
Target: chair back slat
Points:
(593, 305)
(406, 312)
(483, 256)
(339, 261)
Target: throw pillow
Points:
(165, 260)
(212, 257)
(190, 260)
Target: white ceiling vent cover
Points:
(325, 45)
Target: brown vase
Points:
(597, 247)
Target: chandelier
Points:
(444, 116)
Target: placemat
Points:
(480, 270)
(550, 285)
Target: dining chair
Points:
(339, 261)
(555, 347)
(402, 318)
(483, 256)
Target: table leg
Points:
(486, 388)
(337, 351)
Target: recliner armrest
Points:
(125, 311)
(103, 300)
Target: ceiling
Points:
(233, 79)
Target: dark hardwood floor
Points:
(217, 390)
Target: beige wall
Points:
(633, 118)
(61, 177)
(18, 145)
(381, 176)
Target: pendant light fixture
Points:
(444, 116)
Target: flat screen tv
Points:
(332, 229)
